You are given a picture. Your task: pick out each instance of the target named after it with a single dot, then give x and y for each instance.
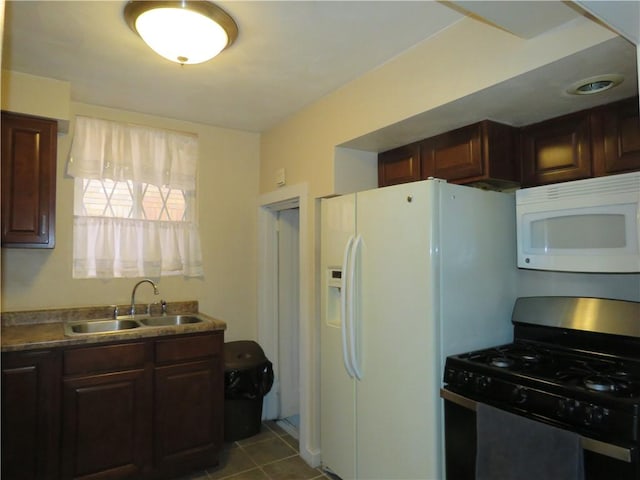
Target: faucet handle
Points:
(116, 311)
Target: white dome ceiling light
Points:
(185, 32)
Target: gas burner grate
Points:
(512, 357)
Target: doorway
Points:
(270, 220)
(288, 362)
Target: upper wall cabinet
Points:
(616, 134)
(29, 148)
(590, 143)
(400, 165)
(482, 152)
(556, 150)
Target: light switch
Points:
(280, 177)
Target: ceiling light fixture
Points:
(184, 32)
(597, 84)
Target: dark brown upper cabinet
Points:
(29, 150)
(400, 165)
(590, 143)
(616, 133)
(482, 152)
(556, 150)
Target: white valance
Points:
(117, 247)
(116, 151)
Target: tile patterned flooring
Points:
(272, 454)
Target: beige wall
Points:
(43, 97)
(228, 182)
(467, 57)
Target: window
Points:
(135, 201)
(106, 198)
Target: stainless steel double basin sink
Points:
(126, 324)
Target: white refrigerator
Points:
(409, 274)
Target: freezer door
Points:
(397, 398)
(337, 395)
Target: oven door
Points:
(602, 461)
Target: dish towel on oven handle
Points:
(511, 447)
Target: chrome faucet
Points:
(132, 310)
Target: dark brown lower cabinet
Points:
(106, 430)
(143, 409)
(188, 429)
(30, 415)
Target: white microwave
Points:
(588, 225)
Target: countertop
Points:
(40, 329)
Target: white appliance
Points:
(410, 274)
(588, 225)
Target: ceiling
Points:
(288, 54)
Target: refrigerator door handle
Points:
(352, 316)
(344, 297)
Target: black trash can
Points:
(248, 377)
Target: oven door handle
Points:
(596, 446)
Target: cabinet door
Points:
(28, 181)
(400, 165)
(556, 150)
(188, 421)
(454, 155)
(482, 152)
(30, 415)
(106, 425)
(616, 138)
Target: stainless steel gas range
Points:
(574, 365)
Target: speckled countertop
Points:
(38, 329)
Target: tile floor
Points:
(269, 455)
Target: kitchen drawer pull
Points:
(595, 446)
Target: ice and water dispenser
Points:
(334, 284)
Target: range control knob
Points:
(462, 378)
(449, 375)
(594, 415)
(482, 383)
(519, 395)
(565, 408)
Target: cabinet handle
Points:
(43, 224)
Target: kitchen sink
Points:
(170, 320)
(103, 326)
(88, 327)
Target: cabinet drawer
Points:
(104, 358)
(188, 348)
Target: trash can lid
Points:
(242, 355)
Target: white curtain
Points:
(109, 246)
(118, 151)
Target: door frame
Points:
(268, 206)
